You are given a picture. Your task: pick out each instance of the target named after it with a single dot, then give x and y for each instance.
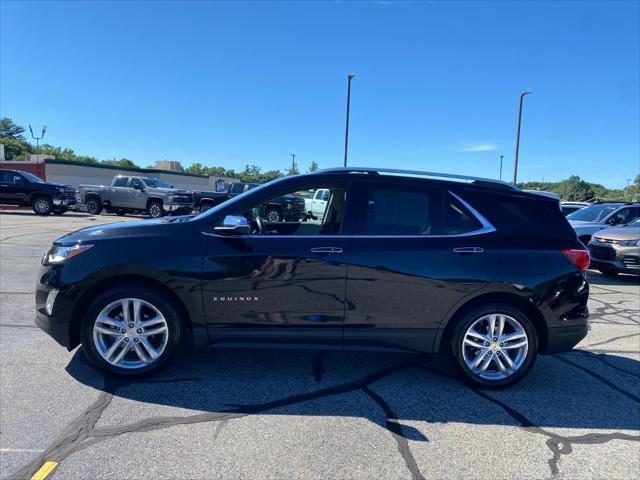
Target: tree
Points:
(195, 168)
(9, 129)
(123, 162)
(313, 167)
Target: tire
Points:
(98, 346)
(608, 273)
(205, 206)
(94, 206)
(154, 209)
(273, 215)
(42, 206)
(521, 358)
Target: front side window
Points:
(624, 215)
(10, 177)
(29, 176)
(298, 212)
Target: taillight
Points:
(579, 257)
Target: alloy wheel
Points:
(495, 346)
(273, 216)
(130, 333)
(155, 210)
(41, 206)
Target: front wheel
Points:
(94, 206)
(131, 331)
(494, 346)
(273, 215)
(205, 207)
(155, 210)
(42, 206)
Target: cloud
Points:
(481, 147)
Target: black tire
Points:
(94, 206)
(457, 345)
(608, 273)
(168, 309)
(154, 209)
(42, 205)
(205, 206)
(273, 215)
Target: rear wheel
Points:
(131, 331)
(94, 206)
(155, 210)
(42, 205)
(494, 346)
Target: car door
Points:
(13, 188)
(417, 251)
(121, 193)
(282, 284)
(138, 197)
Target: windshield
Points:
(592, 213)
(156, 183)
(31, 177)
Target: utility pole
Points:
(293, 163)
(626, 190)
(515, 166)
(346, 131)
(37, 139)
(501, 157)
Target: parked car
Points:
(401, 261)
(597, 216)
(203, 201)
(135, 195)
(24, 189)
(315, 202)
(617, 250)
(570, 207)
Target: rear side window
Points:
(457, 218)
(402, 211)
(121, 182)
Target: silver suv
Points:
(594, 218)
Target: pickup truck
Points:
(203, 201)
(135, 195)
(24, 189)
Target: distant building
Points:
(170, 165)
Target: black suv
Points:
(397, 260)
(24, 189)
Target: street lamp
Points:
(501, 157)
(37, 139)
(346, 131)
(515, 167)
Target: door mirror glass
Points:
(233, 225)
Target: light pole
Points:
(37, 139)
(515, 166)
(626, 190)
(346, 131)
(501, 157)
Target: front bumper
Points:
(178, 208)
(58, 324)
(621, 259)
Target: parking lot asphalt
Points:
(309, 414)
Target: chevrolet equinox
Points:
(392, 260)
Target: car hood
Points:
(620, 233)
(582, 223)
(149, 228)
(175, 191)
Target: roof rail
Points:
(373, 170)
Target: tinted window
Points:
(32, 178)
(457, 219)
(624, 215)
(402, 211)
(121, 182)
(10, 177)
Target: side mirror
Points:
(233, 225)
(137, 186)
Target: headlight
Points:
(170, 198)
(630, 243)
(59, 254)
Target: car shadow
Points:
(578, 389)
(596, 278)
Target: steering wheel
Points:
(260, 224)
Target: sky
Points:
(436, 84)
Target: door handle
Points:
(468, 250)
(326, 250)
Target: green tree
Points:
(313, 167)
(10, 129)
(123, 162)
(15, 148)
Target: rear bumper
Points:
(562, 339)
